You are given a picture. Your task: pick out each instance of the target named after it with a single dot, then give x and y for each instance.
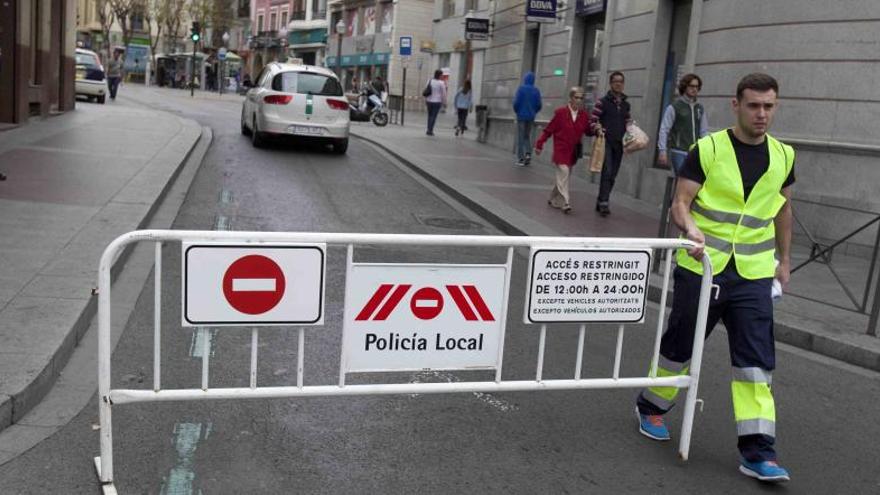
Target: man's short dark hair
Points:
(686, 80)
(756, 81)
(615, 74)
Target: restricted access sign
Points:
(408, 317)
(238, 285)
(567, 286)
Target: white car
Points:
(91, 81)
(299, 101)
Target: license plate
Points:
(304, 130)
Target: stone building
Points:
(824, 55)
(37, 65)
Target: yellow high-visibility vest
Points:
(730, 224)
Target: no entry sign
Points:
(418, 317)
(237, 285)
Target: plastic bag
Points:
(635, 138)
(597, 154)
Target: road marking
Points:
(226, 196)
(221, 222)
(253, 284)
(186, 439)
(197, 341)
(433, 376)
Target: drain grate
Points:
(448, 223)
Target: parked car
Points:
(90, 78)
(296, 100)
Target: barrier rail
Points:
(476, 309)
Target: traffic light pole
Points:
(192, 76)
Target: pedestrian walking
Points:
(733, 198)
(684, 121)
(435, 97)
(611, 116)
(526, 104)
(568, 125)
(463, 102)
(114, 73)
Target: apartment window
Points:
(273, 21)
(283, 20)
(387, 18)
(319, 9)
(470, 6)
(260, 23)
(137, 22)
(448, 8)
(299, 10)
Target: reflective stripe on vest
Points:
(732, 225)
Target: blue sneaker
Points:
(764, 471)
(652, 426)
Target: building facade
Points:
(37, 64)
(460, 59)
(822, 53)
(369, 42)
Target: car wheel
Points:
(380, 119)
(101, 99)
(257, 138)
(244, 128)
(340, 146)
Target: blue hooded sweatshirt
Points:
(527, 102)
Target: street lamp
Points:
(340, 30)
(222, 76)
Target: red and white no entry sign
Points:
(426, 303)
(253, 284)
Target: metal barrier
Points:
(395, 107)
(378, 308)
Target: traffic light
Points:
(194, 35)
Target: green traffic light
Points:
(195, 37)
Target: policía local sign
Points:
(587, 286)
(417, 317)
(238, 285)
(541, 11)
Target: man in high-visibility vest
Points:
(733, 198)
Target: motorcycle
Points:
(369, 108)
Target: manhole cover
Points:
(448, 223)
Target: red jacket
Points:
(566, 134)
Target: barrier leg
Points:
(104, 463)
(690, 404)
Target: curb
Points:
(15, 406)
(786, 331)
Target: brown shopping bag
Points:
(597, 154)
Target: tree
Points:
(222, 17)
(105, 18)
(169, 15)
(125, 10)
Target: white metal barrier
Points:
(110, 397)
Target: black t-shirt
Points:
(753, 161)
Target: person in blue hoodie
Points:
(526, 104)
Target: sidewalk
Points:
(75, 182)
(514, 199)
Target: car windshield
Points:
(307, 82)
(86, 59)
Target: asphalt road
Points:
(526, 442)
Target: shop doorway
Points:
(8, 19)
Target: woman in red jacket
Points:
(568, 125)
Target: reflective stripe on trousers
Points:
(753, 405)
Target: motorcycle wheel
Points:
(380, 119)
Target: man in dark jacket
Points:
(611, 116)
(526, 104)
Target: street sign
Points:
(253, 285)
(587, 285)
(221, 53)
(406, 46)
(541, 11)
(476, 29)
(412, 317)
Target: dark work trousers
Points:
(746, 308)
(113, 84)
(462, 118)
(613, 156)
(433, 110)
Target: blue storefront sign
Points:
(589, 7)
(541, 11)
(365, 59)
